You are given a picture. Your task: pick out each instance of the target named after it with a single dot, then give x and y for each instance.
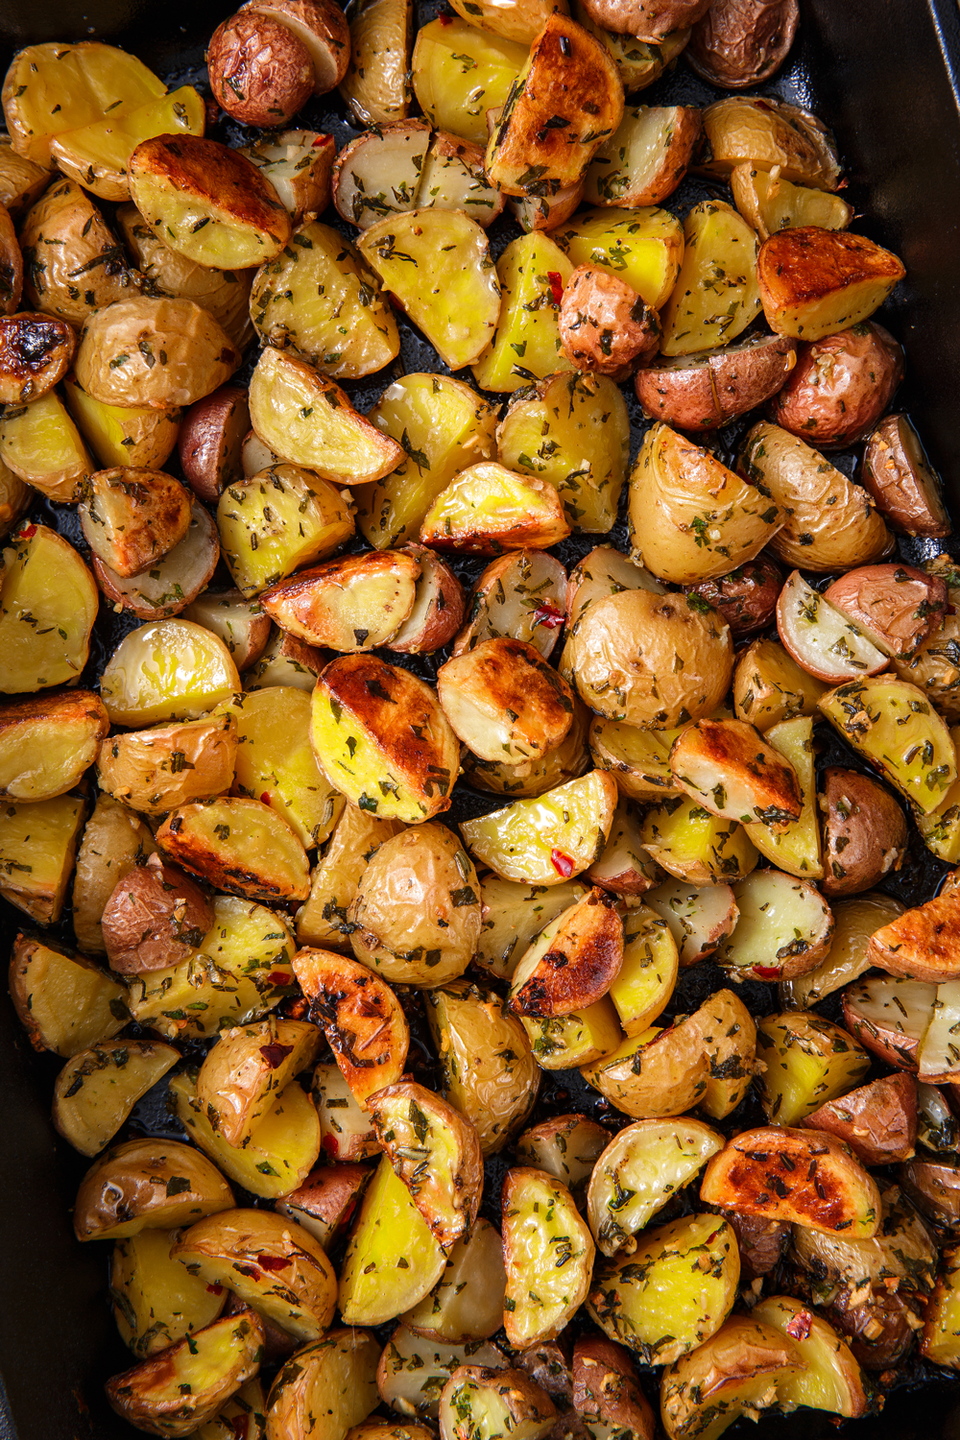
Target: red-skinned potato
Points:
(604, 324)
(889, 1015)
(864, 832)
(322, 27)
(746, 598)
(701, 391)
(840, 386)
(896, 606)
(260, 71)
(326, 1200)
(813, 282)
(438, 606)
(210, 442)
(902, 481)
(648, 20)
(605, 1385)
(878, 1121)
(761, 1242)
(155, 917)
(741, 42)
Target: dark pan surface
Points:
(886, 77)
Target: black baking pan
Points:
(886, 77)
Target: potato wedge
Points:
(35, 353)
(276, 521)
(168, 670)
(699, 918)
(489, 1072)
(361, 1017)
(770, 203)
(737, 1371)
(448, 50)
(357, 602)
(38, 842)
(797, 848)
(814, 282)
(513, 914)
(769, 686)
(154, 771)
(899, 476)
(334, 1378)
(364, 715)
(878, 1121)
(693, 845)
(297, 163)
(327, 1199)
(716, 295)
(173, 581)
(548, 840)
(917, 945)
(322, 920)
(114, 841)
(646, 157)
(153, 918)
(132, 518)
(48, 603)
(827, 642)
(605, 1387)
(74, 265)
(898, 607)
(784, 927)
(248, 1066)
(566, 1147)
(48, 743)
(520, 595)
(122, 435)
(548, 1252)
(346, 1132)
(147, 1184)
(466, 1304)
(864, 832)
(643, 247)
(532, 273)
(436, 1152)
(624, 868)
(767, 132)
(494, 1402)
(393, 1258)
(573, 961)
(504, 702)
(659, 1073)
(40, 444)
(662, 1302)
(379, 173)
(644, 1165)
(98, 1087)
(65, 1002)
(272, 1264)
(487, 509)
(376, 84)
(155, 1302)
(806, 1061)
(727, 766)
(239, 845)
(804, 1176)
(705, 389)
(239, 623)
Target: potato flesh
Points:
(691, 844)
(736, 1372)
(435, 1152)
(347, 1133)
(97, 155)
(513, 914)
(519, 595)
(279, 1153)
(648, 975)
(891, 723)
(67, 1003)
(335, 1379)
(113, 842)
(488, 508)
(659, 1072)
(673, 1292)
(796, 849)
(48, 603)
(376, 85)
(642, 247)
(40, 443)
(392, 1258)
(413, 1372)
(831, 646)
(457, 308)
(156, 1302)
(276, 521)
(361, 1016)
(318, 299)
(466, 1304)
(43, 754)
(637, 759)
(167, 670)
(245, 225)
(532, 273)
(548, 1252)
(567, 1148)
(700, 917)
(769, 203)
(97, 1090)
(155, 770)
(716, 295)
(147, 1184)
(784, 927)
(548, 839)
(808, 1061)
(122, 435)
(575, 434)
(644, 160)
(460, 72)
(642, 1167)
(560, 1042)
(240, 970)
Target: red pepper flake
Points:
(321, 140)
(274, 1262)
(549, 616)
(767, 972)
(215, 1289)
(799, 1327)
(26, 532)
(563, 864)
(279, 977)
(265, 798)
(331, 1145)
(556, 285)
(238, 1424)
(275, 1054)
(444, 19)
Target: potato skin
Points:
(840, 386)
(604, 324)
(35, 352)
(746, 598)
(210, 441)
(648, 20)
(741, 42)
(155, 917)
(878, 1121)
(260, 72)
(899, 607)
(901, 480)
(706, 389)
(864, 832)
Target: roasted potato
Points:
(120, 359)
(548, 1253)
(898, 475)
(878, 1121)
(816, 282)
(738, 43)
(260, 70)
(703, 390)
(155, 917)
(864, 832)
(840, 386)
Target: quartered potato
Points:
(154, 771)
(942, 1328)
(737, 1371)
(487, 509)
(326, 1200)
(806, 1062)
(413, 1371)
(318, 299)
(520, 595)
(770, 203)
(693, 845)
(637, 759)
(878, 1121)
(768, 132)
(566, 1147)
(156, 353)
(461, 71)
(548, 1253)
(489, 1072)
(248, 1066)
(171, 582)
(376, 83)
(241, 1418)
(494, 1402)
(769, 686)
(707, 388)
(40, 444)
(356, 602)
(308, 420)
(73, 264)
(562, 1042)
(333, 1380)
(322, 920)
(699, 917)
(131, 518)
(660, 1072)
(436, 1152)
(269, 1262)
(168, 670)
(275, 1158)
(147, 1185)
(38, 842)
(513, 913)
(239, 623)
(827, 642)
(113, 843)
(672, 1292)
(393, 1258)
(690, 517)
(642, 247)
(96, 1091)
(902, 481)
(734, 773)
(438, 606)
(466, 1304)
(641, 1168)
(804, 1176)
(155, 1301)
(175, 1392)
(624, 868)
(346, 1131)
(457, 307)
(816, 282)
(297, 163)
(65, 1002)
(382, 739)
(240, 845)
(97, 156)
(453, 178)
(548, 839)
(361, 1017)
(277, 520)
(122, 435)
(902, 1251)
(784, 927)
(153, 918)
(526, 348)
(716, 295)
(572, 963)
(416, 914)
(504, 702)
(728, 1034)
(645, 159)
(797, 848)
(918, 944)
(48, 603)
(48, 743)
(379, 173)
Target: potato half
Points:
(548, 1252)
(147, 1184)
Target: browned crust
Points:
(35, 352)
(934, 1186)
(738, 749)
(878, 1121)
(302, 602)
(218, 177)
(147, 514)
(922, 943)
(260, 72)
(583, 961)
(804, 264)
(11, 264)
(69, 707)
(193, 850)
(360, 1015)
(513, 677)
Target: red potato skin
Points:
(332, 1194)
(604, 324)
(878, 1121)
(154, 918)
(840, 386)
(260, 72)
(746, 598)
(210, 442)
(864, 833)
(701, 392)
(899, 607)
(738, 43)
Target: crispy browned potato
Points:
(604, 324)
(921, 944)
(132, 518)
(729, 767)
(361, 1017)
(352, 603)
(240, 845)
(878, 1121)
(573, 963)
(35, 352)
(11, 261)
(647, 20)
(505, 702)
(701, 391)
(48, 741)
(210, 441)
(260, 71)
(746, 597)
(738, 43)
(155, 770)
(902, 481)
(156, 917)
(814, 282)
(840, 386)
(864, 832)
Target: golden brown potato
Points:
(361, 1017)
(147, 1184)
(172, 581)
(573, 962)
(767, 132)
(814, 282)
(646, 157)
(11, 263)
(733, 772)
(22, 181)
(840, 386)
(298, 164)
(156, 770)
(38, 842)
(738, 43)
(48, 742)
(114, 841)
(353, 603)
(604, 324)
(64, 1001)
(248, 1067)
(35, 353)
(878, 1121)
(132, 518)
(540, 1225)
(240, 845)
(921, 943)
(902, 481)
(98, 1088)
(488, 508)
(326, 1200)
(210, 439)
(505, 702)
(438, 606)
(120, 360)
(708, 388)
(260, 71)
(156, 916)
(74, 265)
(647, 20)
(864, 832)
(651, 660)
